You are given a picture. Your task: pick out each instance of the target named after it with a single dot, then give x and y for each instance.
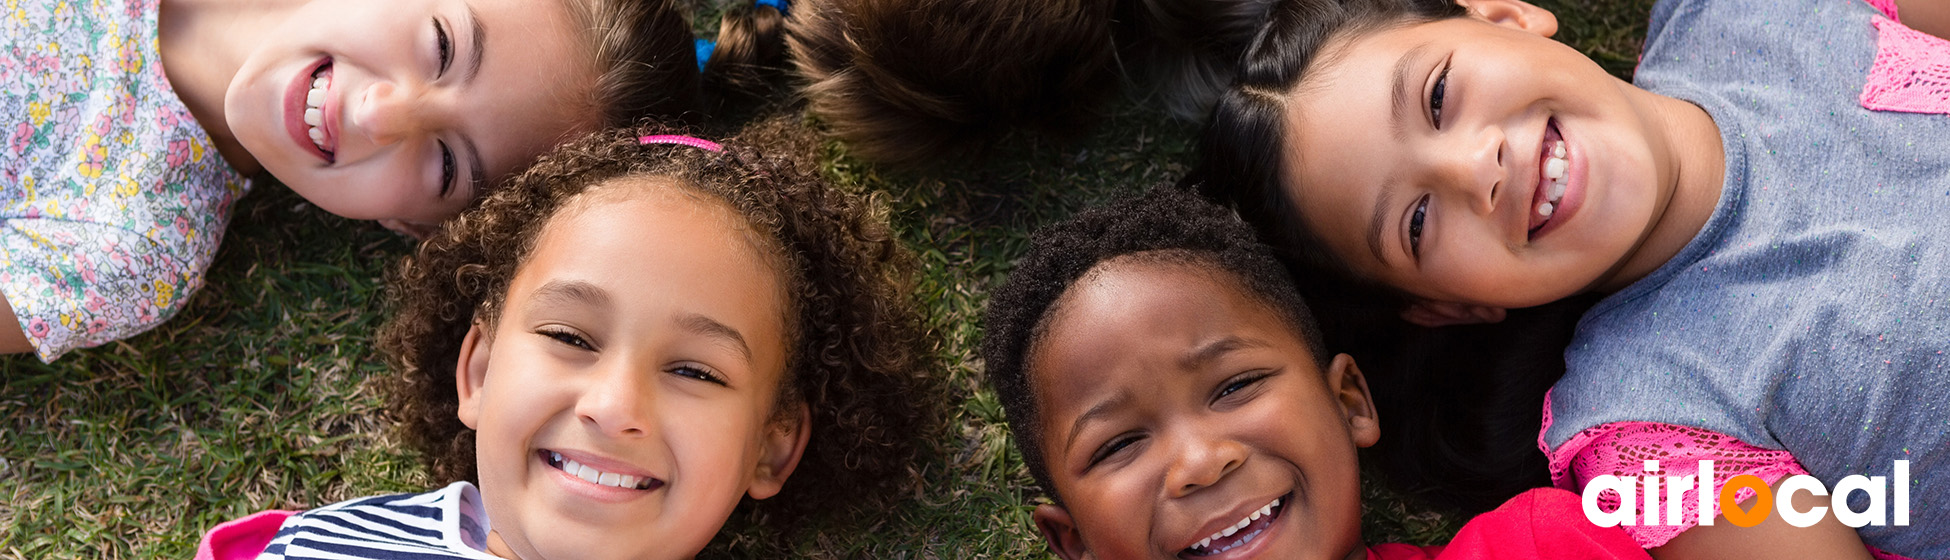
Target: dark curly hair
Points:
(1166, 223)
(857, 354)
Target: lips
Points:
(295, 106)
(1233, 539)
(1559, 182)
(599, 477)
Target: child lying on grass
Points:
(1167, 387)
(624, 344)
(1762, 209)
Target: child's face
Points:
(422, 101)
(1450, 212)
(1174, 406)
(641, 343)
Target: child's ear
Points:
(1060, 531)
(779, 454)
(470, 373)
(1350, 389)
(1515, 14)
(1442, 313)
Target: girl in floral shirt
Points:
(132, 126)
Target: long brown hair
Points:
(908, 81)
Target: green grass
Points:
(259, 395)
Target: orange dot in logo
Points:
(1730, 508)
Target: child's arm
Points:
(13, 340)
(1772, 538)
(1928, 16)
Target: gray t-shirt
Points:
(1812, 312)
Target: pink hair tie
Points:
(698, 143)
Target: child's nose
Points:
(1201, 463)
(1472, 166)
(618, 402)
(387, 112)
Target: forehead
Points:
(1130, 322)
(536, 75)
(1345, 139)
(658, 249)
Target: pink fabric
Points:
(1622, 448)
(242, 538)
(1888, 8)
(1543, 523)
(1911, 72)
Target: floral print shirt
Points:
(112, 198)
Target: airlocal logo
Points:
(1628, 487)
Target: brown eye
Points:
(1415, 225)
(1435, 98)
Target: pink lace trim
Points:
(1622, 448)
(1911, 73)
(1888, 8)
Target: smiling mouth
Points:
(1239, 533)
(593, 476)
(321, 84)
(1554, 175)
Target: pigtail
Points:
(1185, 52)
(745, 63)
(909, 81)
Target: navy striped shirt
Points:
(442, 524)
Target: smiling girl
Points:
(133, 127)
(1762, 211)
(626, 342)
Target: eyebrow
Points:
(1382, 203)
(560, 293)
(474, 166)
(710, 328)
(1123, 398)
(1404, 97)
(1213, 350)
(480, 43)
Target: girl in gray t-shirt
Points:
(1763, 211)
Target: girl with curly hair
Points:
(627, 342)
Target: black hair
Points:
(1461, 405)
(1169, 223)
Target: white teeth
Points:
(315, 98)
(594, 476)
(1557, 151)
(1545, 209)
(319, 82)
(1554, 168)
(1557, 190)
(1263, 511)
(317, 136)
(314, 116)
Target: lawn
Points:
(261, 393)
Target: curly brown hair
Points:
(857, 355)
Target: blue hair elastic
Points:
(704, 48)
(775, 4)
